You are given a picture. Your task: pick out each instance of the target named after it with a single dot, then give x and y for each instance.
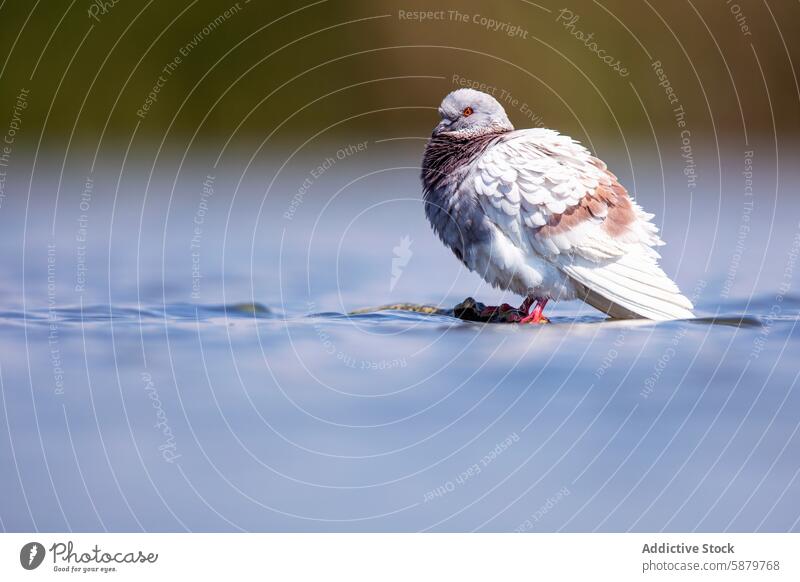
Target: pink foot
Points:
(536, 315)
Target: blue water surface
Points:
(176, 361)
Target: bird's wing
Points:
(549, 195)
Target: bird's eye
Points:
(467, 111)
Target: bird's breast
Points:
(458, 220)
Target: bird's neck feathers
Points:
(449, 154)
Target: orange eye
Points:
(467, 112)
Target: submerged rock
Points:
(248, 308)
(468, 310)
(427, 309)
(471, 310)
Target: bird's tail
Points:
(632, 287)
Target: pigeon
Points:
(535, 213)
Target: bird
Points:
(534, 213)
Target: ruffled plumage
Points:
(532, 211)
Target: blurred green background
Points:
(295, 69)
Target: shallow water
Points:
(146, 399)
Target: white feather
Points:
(534, 174)
(622, 283)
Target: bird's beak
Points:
(443, 125)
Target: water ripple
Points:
(754, 313)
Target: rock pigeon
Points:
(534, 213)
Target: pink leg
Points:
(536, 314)
(526, 305)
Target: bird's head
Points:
(468, 113)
